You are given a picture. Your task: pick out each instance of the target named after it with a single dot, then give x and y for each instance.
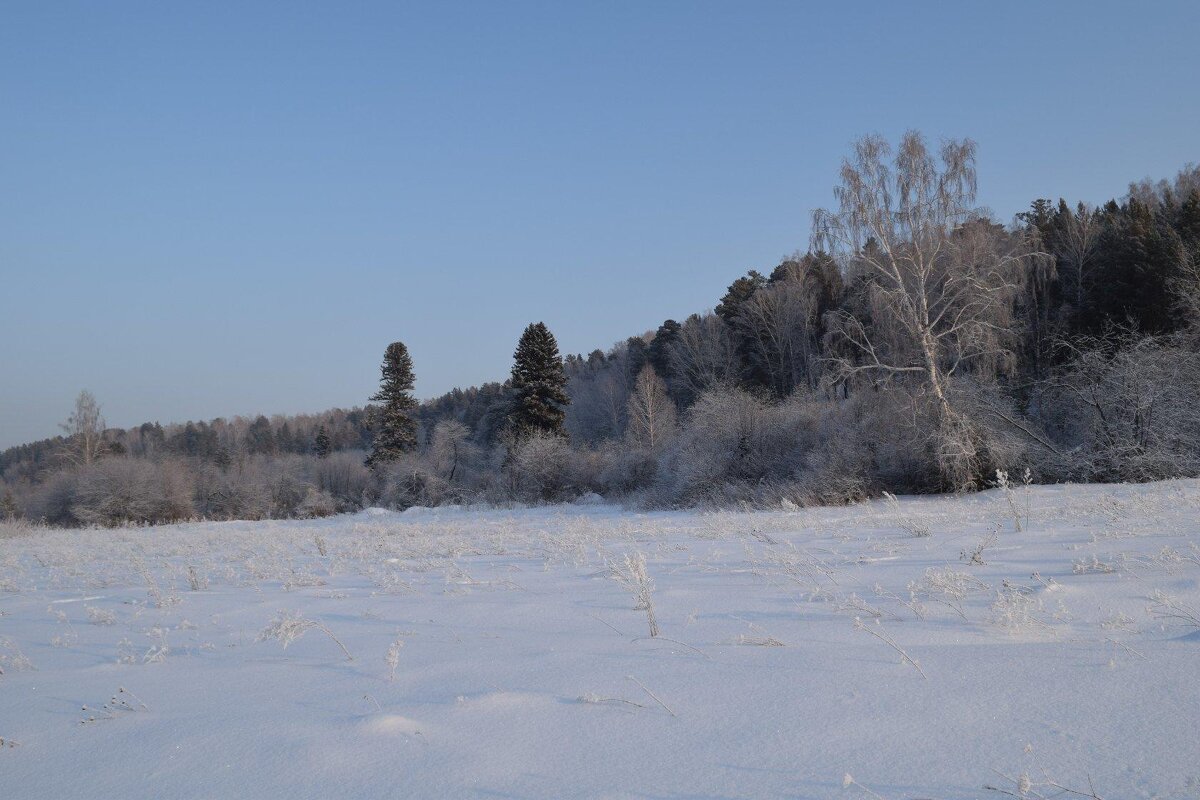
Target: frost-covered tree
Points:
(651, 411)
(939, 279)
(85, 430)
(396, 430)
(539, 384)
(451, 448)
(703, 356)
(780, 324)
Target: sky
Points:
(214, 209)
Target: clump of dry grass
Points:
(288, 626)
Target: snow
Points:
(790, 662)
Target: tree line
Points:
(916, 345)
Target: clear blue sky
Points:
(209, 209)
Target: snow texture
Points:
(808, 653)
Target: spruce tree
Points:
(539, 384)
(322, 447)
(396, 430)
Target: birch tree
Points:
(940, 280)
(651, 412)
(84, 430)
(704, 355)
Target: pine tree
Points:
(322, 447)
(397, 430)
(659, 351)
(539, 384)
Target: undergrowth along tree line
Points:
(917, 345)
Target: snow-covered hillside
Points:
(924, 648)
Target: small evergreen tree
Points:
(322, 447)
(539, 384)
(396, 431)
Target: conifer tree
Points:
(322, 447)
(396, 431)
(539, 384)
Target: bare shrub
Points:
(52, 501)
(285, 483)
(732, 438)
(624, 470)
(411, 480)
(344, 476)
(316, 503)
(543, 467)
(1125, 406)
(235, 493)
(119, 490)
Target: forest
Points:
(915, 345)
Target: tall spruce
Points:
(539, 384)
(322, 446)
(396, 430)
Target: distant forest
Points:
(916, 345)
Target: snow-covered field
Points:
(923, 649)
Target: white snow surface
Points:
(1070, 655)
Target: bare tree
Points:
(1186, 285)
(940, 278)
(598, 399)
(781, 320)
(652, 415)
(1077, 242)
(85, 430)
(451, 447)
(704, 355)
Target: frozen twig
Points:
(652, 695)
(672, 641)
(890, 642)
(848, 781)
